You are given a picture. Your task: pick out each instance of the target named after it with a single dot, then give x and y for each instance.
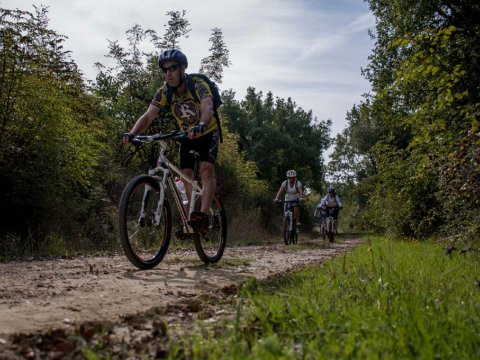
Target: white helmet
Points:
(291, 173)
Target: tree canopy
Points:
(417, 135)
(51, 139)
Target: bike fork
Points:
(146, 195)
(158, 210)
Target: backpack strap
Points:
(219, 127)
(284, 185)
(191, 87)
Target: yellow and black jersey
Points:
(184, 108)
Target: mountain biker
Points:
(195, 118)
(332, 200)
(292, 188)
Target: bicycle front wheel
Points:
(211, 245)
(287, 234)
(145, 225)
(331, 231)
(323, 230)
(294, 236)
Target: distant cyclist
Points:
(332, 200)
(292, 188)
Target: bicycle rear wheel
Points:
(287, 234)
(211, 245)
(143, 241)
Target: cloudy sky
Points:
(309, 50)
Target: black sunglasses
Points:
(171, 68)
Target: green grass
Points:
(384, 300)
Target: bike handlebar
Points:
(176, 135)
(330, 208)
(289, 201)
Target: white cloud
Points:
(362, 23)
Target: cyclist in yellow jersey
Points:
(194, 117)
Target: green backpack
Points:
(216, 98)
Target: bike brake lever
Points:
(136, 142)
(180, 136)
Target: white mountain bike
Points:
(290, 232)
(327, 224)
(145, 216)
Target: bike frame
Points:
(327, 221)
(289, 213)
(164, 173)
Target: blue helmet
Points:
(331, 190)
(172, 55)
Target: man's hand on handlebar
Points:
(196, 130)
(128, 137)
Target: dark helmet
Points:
(331, 190)
(172, 55)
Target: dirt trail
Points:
(37, 296)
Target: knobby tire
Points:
(287, 235)
(210, 247)
(294, 235)
(331, 231)
(144, 243)
(323, 230)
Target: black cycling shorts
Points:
(335, 212)
(206, 146)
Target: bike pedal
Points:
(180, 235)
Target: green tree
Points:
(51, 140)
(213, 65)
(127, 88)
(419, 127)
(176, 28)
(278, 135)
